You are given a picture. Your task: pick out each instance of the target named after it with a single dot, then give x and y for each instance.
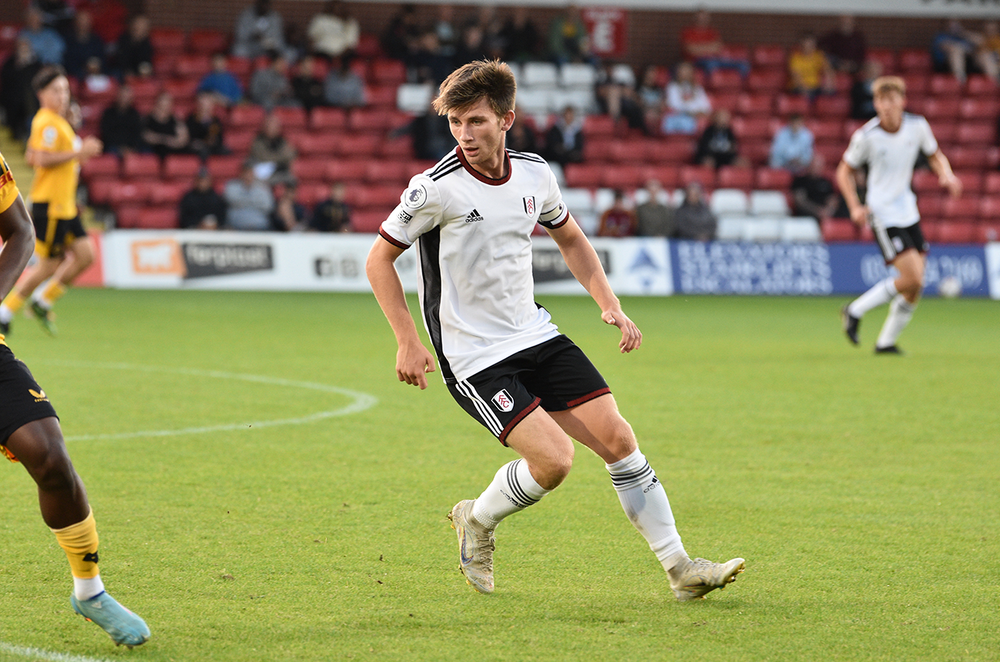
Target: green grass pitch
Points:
(248, 513)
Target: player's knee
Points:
(553, 469)
(622, 441)
(53, 470)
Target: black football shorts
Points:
(893, 241)
(22, 400)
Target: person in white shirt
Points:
(502, 358)
(889, 144)
(687, 102)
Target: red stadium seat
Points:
(724, 79)
(359, 144)
(955, 232)
(979, 108)
(368, 46)
(625, 176)
(850, 126)
(387, 172)
(968, 156)
(158, 218)
(224, 168)
(914, 60)
(925, 181)
(128, 192)
(991, 183)
(756, 150)
(989, 208)
(141, 166)
(345, 170)
(760, 103)
(945, 85)
(944, 130)
(167, 40)
(787, 104)
(583, 175)
(241, 67)
(400, 148)
(832, 152)
(246, 117)
(369, 196)
(208, 41)
(826, 129)
(667, 175)
(328, 118)
(598, 148)
(319, 143)
(751, 128)
(930, 206)
(774, 179)
(766, 80)
(127, 216)
(291, 118)
(724, 99)
(105, 165)
(701, 174)
(972, 181)
(370, 119)
(944, 107)
(181, 166)
(168, 193)
(979, 85)
(311, 193)
(99, 189)
(965, 207)
(736, 52)
(633, 150)
(674, 150)
(987, 232)
(838, 229)
(730, 177)
(977, 133)
(239, 141)
(832, 106)
(388, 72)
(368, 221)
(768, 55)
(192, 65)
(598, 125)
(309, 170)
(884, 56)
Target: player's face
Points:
(55, 96)
(480, 134)
(889, 107)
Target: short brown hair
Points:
(465, 86)
(45, 76)
(887, 84)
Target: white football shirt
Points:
(473, 237)
(890, 158)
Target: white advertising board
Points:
(993, 269)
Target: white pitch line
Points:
(39, 654)
(361, 401)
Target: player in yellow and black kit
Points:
(30, 433)
(62, 245)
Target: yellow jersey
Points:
(8, 189)
(50, 132)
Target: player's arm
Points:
(848, 186)
(583, 263)
(413, 360)
(40, 158)
(941, 167)
(18, 234)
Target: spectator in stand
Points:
(259, 31)
(991, 39)
(654, 217)
(650, 94)
(343, 87)
(813, 194)
(846, 47)
(121, 125)
(288, 215)
(491, 28)
(18, 99)
(702, 45)
(862, 97)
(221, 82)
(472, 45)
(616, 96)
(249, 201)
(162, 131)
(809, 72)
(110, 18)
(568, 40)
(431, 134)
(792, 148)
(958, 51)
(447, 34)
(270, 85)
(207, 135)
(617, 220)
(717, 145)
(56, 14)
(134, 50)
(564, 140)
(399, 41)
(687, 102)
(334, 32)
(695, 221)
(307, 86)
(83, 46)
(521, 137)
(332, 214)
(429, 63)
(271, 153)
(202, 208)
(47, 44)
(520, 36)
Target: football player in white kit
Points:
(889, 145)
(502, 358)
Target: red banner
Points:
(608, 30)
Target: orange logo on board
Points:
(157, 257)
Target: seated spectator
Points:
(56, 14)
(792, 148)
(399, 40)
(133, 54)
(259, 31)
(271, 153)
(991, 39)
(343, 87)
(520, 36)
(654, 217)
(46, 43)
(809, 72)
(288, 215)
(162, 131)
(332, 214)
(617, 97)
(846, 47)
(221, 82)
(717, 145)
(813, 194)
(695, 221)
(862, 97)
(207, 136)
(95, 81)
(702, 45)
(521, 137)
(444, 27)
(564, 140)
(202, 208)
(334, 32)
(568, 39)
(471, 46)
(431, 135)
(617, 220)
(687, 102)
(957, 51)
(307, 86)
(83, 46)
(121, 125)
(650, 93)
(249, 201)
(270, 85)
(429, 64)
(18, 99)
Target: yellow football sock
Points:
(14, 301)
(52, 292)
(79, 541)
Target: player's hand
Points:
(952, 183)
(413, 362)
(631, 335)
(860, 215)
(91, 146)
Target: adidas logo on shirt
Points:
(474, 217)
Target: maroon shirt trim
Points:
(395, 242)
(480, 176)
(517, 419)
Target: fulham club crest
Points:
(502, 399)
(529, 205)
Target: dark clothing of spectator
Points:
(813, 195)
(564, 143)
(168, 128)
(655, 219)
(79, 51)
(18, 99)
(696, 222)
(121, 130)
(431, 135)
(616, 222)
(207, 137)
(846, 51)
(399, 40)
(717, 143)
(521, 138)
(134, 57)
(309, 91)
(521, 40)
(862, 100)
(202, 209)
(331, 216)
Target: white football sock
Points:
(900, 313)
(86, 588)
(645, 502)
(5, 314)
(881, 292)
(513, 489)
